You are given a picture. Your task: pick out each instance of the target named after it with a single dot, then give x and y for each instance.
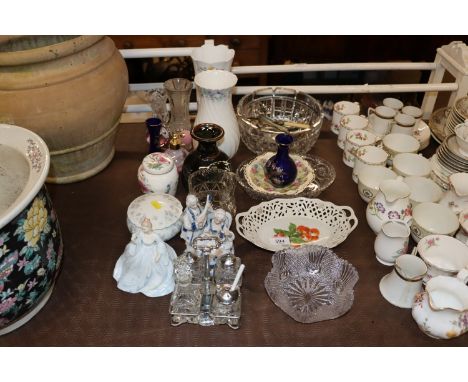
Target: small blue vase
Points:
(280, 169)
(153, 126)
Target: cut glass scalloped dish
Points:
(324, 176)
(311, 283)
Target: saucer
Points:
(451, 143)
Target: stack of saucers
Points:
(448, 160)
(458, 114)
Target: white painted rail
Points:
(446, 59)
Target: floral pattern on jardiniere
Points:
(30, 255)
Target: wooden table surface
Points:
(87, 309)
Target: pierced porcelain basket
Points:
(283, 223)
(311, 284)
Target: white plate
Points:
(263, 224)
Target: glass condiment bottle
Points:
(176, 152)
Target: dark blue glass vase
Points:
(280, 169)
(153, 126)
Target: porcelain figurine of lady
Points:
(194, 220)
(147, 264)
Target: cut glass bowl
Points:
(311, 283)
(281, 105)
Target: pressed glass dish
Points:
(311, 284)
(280, 105)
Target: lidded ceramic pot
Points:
(163, 210)
(158, 173)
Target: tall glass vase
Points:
(178, 90)
(214, 90)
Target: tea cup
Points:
(413, 111)
(340, 109)
(410, 164)
(349, 123)
(369, 179)
(354, 140)
(380, 119)
(403, 124)
(423, 190)
(431, 219)
(393, 103)
(368, 156)
(399, 143)
(400, 286)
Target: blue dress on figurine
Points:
(147, 264)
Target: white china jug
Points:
(391, 202)
(442, 310)
(392, 241)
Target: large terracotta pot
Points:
(70, 90)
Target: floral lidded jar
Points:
(158, 173)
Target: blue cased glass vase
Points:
(153, 125)
(280, 169)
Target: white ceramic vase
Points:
(214, 89)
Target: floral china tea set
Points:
(402, 201)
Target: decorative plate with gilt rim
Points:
(256, 178)
(285, 223)
(324, 176)
(437, 123)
